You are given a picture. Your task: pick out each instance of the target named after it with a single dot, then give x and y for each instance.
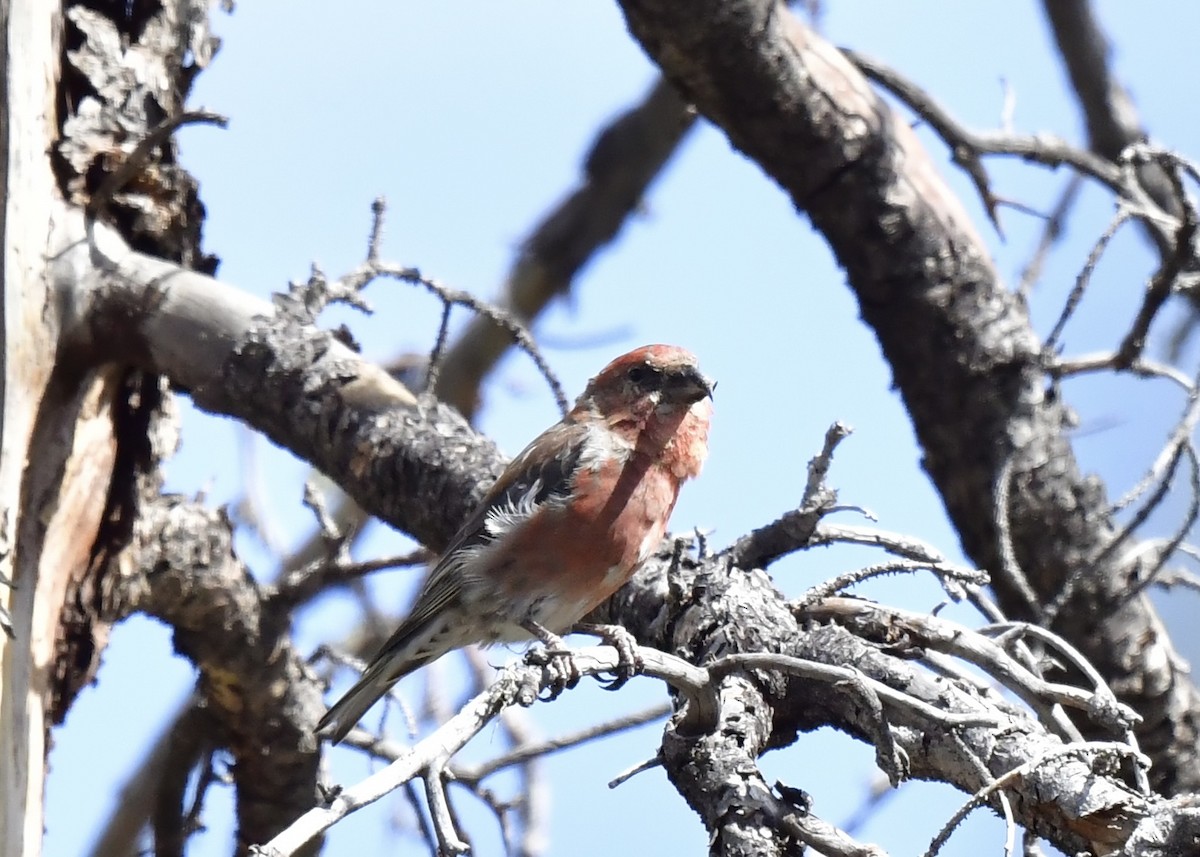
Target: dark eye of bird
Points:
(638, 374)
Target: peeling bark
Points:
(38, 502)
(71, 462)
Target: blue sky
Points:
(471, 118)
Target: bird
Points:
(565, 525)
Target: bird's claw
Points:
(629, 659)
(329, 792)
(564, 672)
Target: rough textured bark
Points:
(963, 353)
(399, 458)
(416, 464)
(719, 610)
(180, 568)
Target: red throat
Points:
(677, 442)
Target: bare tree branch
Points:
(1096, 810)
(180, 568)
(974, 381)
(517, 685)
(1108, 110)
(750, 671)
(415, 464)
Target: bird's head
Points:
(654, 381)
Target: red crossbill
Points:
(566, 524)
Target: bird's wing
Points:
(541, 474)
(535, 478)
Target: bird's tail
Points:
(428, 633)
(374, 683)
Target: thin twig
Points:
(526, 752)
(818, 466)
(897, 544)
(303, 584)
(951, 577)
(308, 299)
(1107, 361)
(1084, 277)
(439, 809)
(1182, 255)
(439, 349)
(118, 178)
(793, 530)
(1020, 772)
(1104, 708)
(1182, 531)
(1181, 434)
(314, 500)
(1052, 231)
(632, 771)
(375, 238)
(1008, 555)
(967, 147)
(522, 337)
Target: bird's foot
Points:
(629, 660)
(555, 655)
